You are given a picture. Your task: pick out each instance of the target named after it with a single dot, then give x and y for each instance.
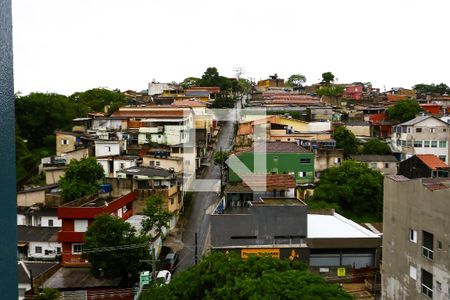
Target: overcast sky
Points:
(65, 46)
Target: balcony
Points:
(156, 129)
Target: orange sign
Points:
(275, 253)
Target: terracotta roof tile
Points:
(432, 161)
(146, 113)
(271, 180)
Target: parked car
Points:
(170, 261)
(163, 277)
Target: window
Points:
(373, 165)
(107, 149)
(403, 143)
(413, 272)
(124, 209)
(301, 174)
(77, 248)
(426, 144)
(50, 223)
(417, 144)
(337, 160)
(64, 142)
(58, 250)
(81, 225)
(427, 283)
(386, 165)
(152, 163)
(442, 144)
(418, 129)
(38, 249)
(171, 200)
(305, 160)
(187, 162)
(427, 244)
(433, 144)
(439, 243)
(412, 235)
(122, 166)
(432, 130)
(442, 157)
(409, 130)
(409, 143)
(158, 163)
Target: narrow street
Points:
(202, 204)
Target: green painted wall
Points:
(281, 163)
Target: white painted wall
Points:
(109, 148)
(45, 220)
(319, 126)
(50, 246)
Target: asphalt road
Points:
(203, 202)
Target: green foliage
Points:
(96, 99)
(156, 216)
(296, 80)
(404, 110)
(223, 101)
(376, 146)
(26, 162)
(38, 115)
(440, 88)
(190, 82)
(220, 157)
(48, 294)
(109, 231)
(330, 90)
(352, 187)
(221, 276)
(345, 139)
(81, 178)
(245, 86)
(211, 77)
(327, 78)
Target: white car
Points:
(164, 277)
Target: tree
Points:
(26, 162)
(330, 90)
(156, 216)
(440, 88)
(81, 178)
(189, 82)
(353, 188)
(245, 86)
(223, 101)
(48, 294)
(327, 78)
(404, 110)
(226, 276)
(211, 77)
(375, 146)
(40, 114)
(220, 157)
(345, 139)
(113, 248)
(296, 80)
(99, 98)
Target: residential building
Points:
(71, 141)
(325, 153)
(416, 238)
(281, 158)
(76, 216)
(38, 242)
(353, 92)
(148, 181)
(110, 147)
(112, 164)
(161, 159)
(359, 128)
(38, 215)
(32, 274)
(36, 195)
(421, 135)
(423, 165)
(386, 164)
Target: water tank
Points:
(105, 187)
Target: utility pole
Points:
(221, 169)
(196, 250)
(152, 261)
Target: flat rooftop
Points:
(335, 226)
(245, 207)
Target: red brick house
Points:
(78, 215)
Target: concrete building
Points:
(38, 242)
(421, 135)
(416, 238)
(423, 165)
(386, 164)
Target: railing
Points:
(428, 253)
(427, 291)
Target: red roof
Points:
(271, 180)
(146, 113)
(432, 161)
